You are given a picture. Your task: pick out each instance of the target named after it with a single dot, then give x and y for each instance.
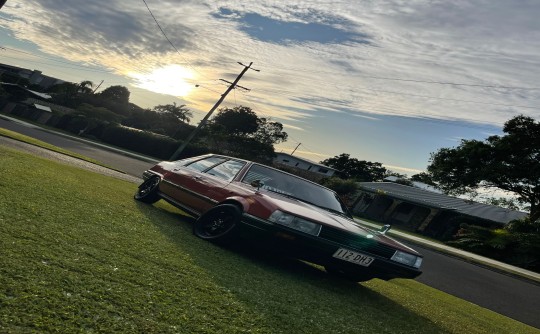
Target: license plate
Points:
(354, 257)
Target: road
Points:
(506, 295)
(131, 166)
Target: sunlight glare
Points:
(168, 80)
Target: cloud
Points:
(318, 55)
(406, 170)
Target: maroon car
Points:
(234, 198)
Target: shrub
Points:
(346, 189)
(140, 141)
(148, 143)
(506, 245)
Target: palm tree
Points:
(85, 86)
(179, 111)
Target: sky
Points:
(387, 81)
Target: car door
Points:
(187, 185)
(216, 180)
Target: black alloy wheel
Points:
(218, 223)
(148, 190)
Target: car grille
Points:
(356, 241)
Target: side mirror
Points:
(257, 184)
(385, 228)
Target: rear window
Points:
(226, 170)
(206, 163)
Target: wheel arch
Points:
(239, 202)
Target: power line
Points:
(408, 80)
(292, 93)
(167, 38)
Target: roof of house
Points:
(38, 94)
(442, 201)
(306, 161)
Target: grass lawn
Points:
(78, 254)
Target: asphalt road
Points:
(131, 166)
(506, 295)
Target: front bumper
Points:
(319, 249)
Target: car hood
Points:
(328, 218)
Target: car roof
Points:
(267, 166)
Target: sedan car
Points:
(235, 199)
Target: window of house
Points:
(285, 160)
(323, 170)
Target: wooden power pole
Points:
(203, 121)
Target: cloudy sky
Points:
(387, 80)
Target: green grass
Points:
(78, 254)
(29, 140)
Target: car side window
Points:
(205, 163)
(226, 170)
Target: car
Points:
(235, 200)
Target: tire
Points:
(148, 191)
(342, 274)
(218, 224)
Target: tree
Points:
(346, 189)
(118, 94)
(240, 131)
(64, 93)
(238, 121)
(361, 170)
(509, 162)
(270, 132)
(503, 202)
(243, 122)
(424, 178)
(180, 112)
(85, 86)
(98, 113)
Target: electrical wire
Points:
(170, 42)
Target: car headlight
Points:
(295, 223)
(408, 259)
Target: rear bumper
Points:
(318, 250)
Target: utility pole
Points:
(203, 121)
(296, 148)
(98, 87)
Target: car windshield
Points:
(295, 187)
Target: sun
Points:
(168, 80)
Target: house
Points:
(35, 77)
(426, 212)
(304, 164)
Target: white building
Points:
(305, 164)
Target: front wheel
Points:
(218, 223)
(148, 191)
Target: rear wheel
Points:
(148, 191)
(218, 223)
